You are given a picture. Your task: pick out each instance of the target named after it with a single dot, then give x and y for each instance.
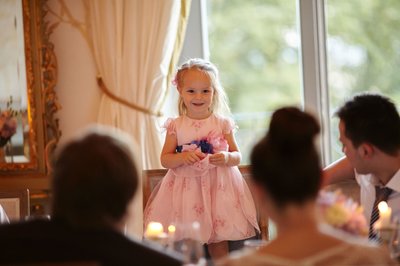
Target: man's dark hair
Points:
(373, 119)
(94, 180)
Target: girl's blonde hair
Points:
(219, 103)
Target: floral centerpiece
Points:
(342, 212)
(8, 123)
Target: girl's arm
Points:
(171, 159)
(230, 158)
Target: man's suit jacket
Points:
(53, 241)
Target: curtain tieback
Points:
(124, 102)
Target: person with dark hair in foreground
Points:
(369, 130)
(287, 177)
(94, 181)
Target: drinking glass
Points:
(254, 244)
(394, 244)
(189, 246)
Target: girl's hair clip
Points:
(175, 81)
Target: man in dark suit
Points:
(94, 181)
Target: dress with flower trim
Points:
(217, 197)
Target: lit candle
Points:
(171, 236)
(171, 231)
(154, 230)
(385, 214)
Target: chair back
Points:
(68, 263)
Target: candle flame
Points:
(154, 229)
(171, 228)
(383, 207)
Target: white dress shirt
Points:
(367, 189)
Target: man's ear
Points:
(366, 150)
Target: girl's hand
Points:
(190, 157)
(219, 159)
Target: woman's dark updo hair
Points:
(285, 162)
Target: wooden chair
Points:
(68, 263)
(152, 177)
(15, 203)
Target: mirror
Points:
(28, 103)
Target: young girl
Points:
(203, 183)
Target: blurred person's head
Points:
(368, 122)
(285, 163)
(95, 179)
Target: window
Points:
(255, 45)
(363, 52)
(344, 47)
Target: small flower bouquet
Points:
(8, 123)
(211, 144)
(342, 212)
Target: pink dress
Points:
(217, 197)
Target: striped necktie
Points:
(381, 194)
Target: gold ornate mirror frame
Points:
(41, 75)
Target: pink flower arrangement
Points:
(8, 124)
(217, 141)
(342, 212)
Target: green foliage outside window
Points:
(255, 45)
(363, 43)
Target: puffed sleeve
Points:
(229, 126)
(169, 126)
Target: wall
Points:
(76, 87)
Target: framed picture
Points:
(15, 204)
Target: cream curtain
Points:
(133, 43)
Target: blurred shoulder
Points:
(369, 254)
(237, 258)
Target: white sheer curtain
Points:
(133, 41)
